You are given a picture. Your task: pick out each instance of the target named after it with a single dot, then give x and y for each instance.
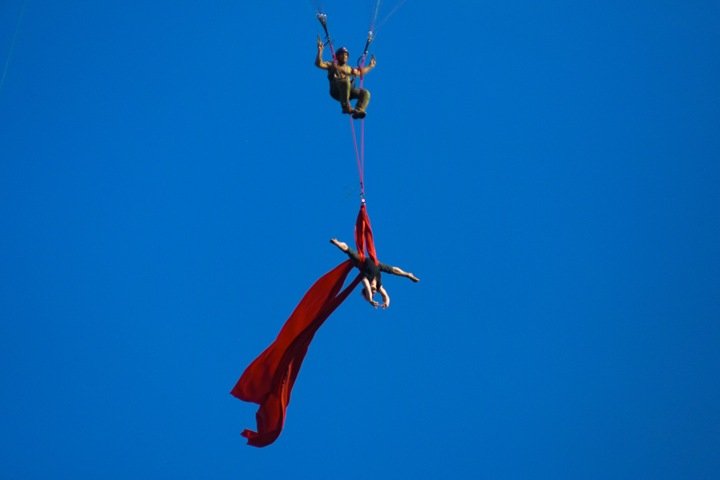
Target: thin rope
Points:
(361, 155)
(362, 152)
(375, 15)
(12, 44)
(392, 12)
(358, 159)
(317, 6)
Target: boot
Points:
(347, 108)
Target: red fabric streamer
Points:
(269, 379)
(364, 235)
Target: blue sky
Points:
(172, 173)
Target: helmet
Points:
(341, 50)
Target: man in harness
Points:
(372, 278)
(341, 76)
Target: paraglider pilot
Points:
(371, 279)
(341, 75)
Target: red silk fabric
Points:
(269, 379)
(364, 235)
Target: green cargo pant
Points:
(343, 92)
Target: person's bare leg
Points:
(402, 273)
(341, 245)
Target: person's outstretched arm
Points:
(318, 59)
(360, 72)
(367, 293)
(385, 297)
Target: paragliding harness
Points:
(322, 18)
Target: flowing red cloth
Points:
(364, 235)
(269, 379)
